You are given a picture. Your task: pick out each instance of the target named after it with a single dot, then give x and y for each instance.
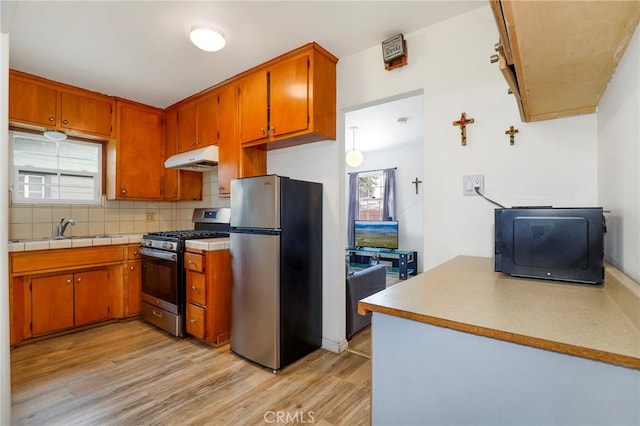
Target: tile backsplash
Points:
(112, 217)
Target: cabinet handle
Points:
(498, 47)
(193, 287)
(65, 121)
(124, 191)
(262, 130)
(494, 58)
(133, 267)
(52, 119)
(79, 279)
(190, 262)
(69, 281)
(135, 253)
(192, 321)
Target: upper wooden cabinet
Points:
(290, 100)
(135, 159)
(228, 145)
(178, 184)
(34, 101)
(558, 57)
(198, 122)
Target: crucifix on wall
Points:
(511, 131)
(416, 182)
(463, 127)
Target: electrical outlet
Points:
(470, 183)
(149, 216)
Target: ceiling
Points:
(140, 50)
(385, 126)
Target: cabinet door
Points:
(32, 103)
(140, 163)
(133, 288)
(228, 143)
(91, 296)
(85, 114)
(252, 107)
(170, 148)
(207, 122)
(51, 303)
(187, 123)
(288, 96)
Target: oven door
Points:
(162, 292)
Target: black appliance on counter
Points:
(276, 257)
(565, 244)
(163, 272)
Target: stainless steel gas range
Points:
(163, 272)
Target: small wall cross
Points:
(511, 131)
(463, 127)
(416, 182)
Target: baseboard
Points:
(333, 346)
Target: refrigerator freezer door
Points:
(255, 202)
(255, 313)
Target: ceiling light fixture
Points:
(54, 135)
(207, 38)
(354, 158)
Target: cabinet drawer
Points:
(196, 288)
(194, 262)
(133, 252)
(195, 321)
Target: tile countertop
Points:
(46, 244)
(465, 294)
(209, 244)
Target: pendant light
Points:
(354, 157)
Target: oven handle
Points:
(159, 254)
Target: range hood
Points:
(198, 160)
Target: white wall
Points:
(552, 162)
(619, 162)
(409, 205)
(320, 162)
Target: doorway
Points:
(389, 133)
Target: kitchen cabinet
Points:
(133, 282)
(290, 100)
(69, 300)
(41, 103)
(179, 185)
(198, 122)
(60, 289)
(52, 303)
(208, 310)
(558, 57)
(135, 159)
(91, 296)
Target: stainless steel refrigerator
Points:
(276, 252)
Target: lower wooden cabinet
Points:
(63, 301)
(51, 291)
(91, 297)
(51, 304)
(209, 295)
(133, 282)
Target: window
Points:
(50, 172)
(370, 195)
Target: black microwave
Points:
(565, 244)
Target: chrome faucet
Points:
(63, 226)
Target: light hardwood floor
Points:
(131, 373)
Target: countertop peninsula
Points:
(598, 322)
